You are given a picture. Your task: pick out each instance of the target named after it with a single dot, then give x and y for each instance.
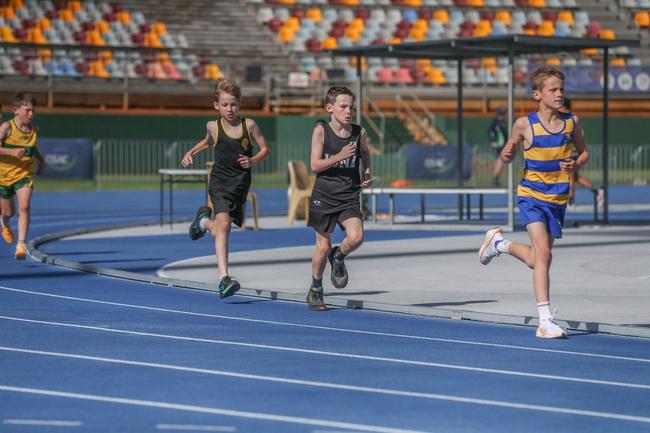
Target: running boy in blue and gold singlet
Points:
(548, 137)
(18, 156)
(232, 137)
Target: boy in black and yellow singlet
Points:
(548, 138)
(337, 147)
(18, 156)
(231, 137)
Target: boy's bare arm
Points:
(206, 142)
(256, 134)
(41, 161)
(516, 140)
(579, 143)
(366, 179)
(318, 163)
(5, 130)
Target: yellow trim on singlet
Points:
(242, 121)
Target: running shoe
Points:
(315, 299)
(488, 250)
(7, 234)
(21, 252)
(339, 274)
(549, 329)
(228, 287)
(196, 232)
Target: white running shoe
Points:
(488, 251)
(549, 329)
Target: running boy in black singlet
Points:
(230, 178)
(336, 149)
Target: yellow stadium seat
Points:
(7, 35)
(529, 32)
(123, 17)
(436, 76)
(286, 34)
(421, 24)
(351, 2)
(102, 26)
(287, 2)
(607, 34)
(546, 28)
(7, 13)
(329, 43)
(417, 34)
(354, 33)
(566, 17)
(394, 41)
(590, 51)
(618, 61)
(413, 3)
(293, 22)
(540, 4)
(441, 15)
(160, 28)
(642, 19)
(44, 24)
(66, 15)
(314, 14)
(476, 3)
(554, 61)
(45, 54)
(75, 5)
(504, 17)
(17, 4)
(357, 23)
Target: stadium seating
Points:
(331, 24)
(92, 25)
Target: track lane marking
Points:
(329, 328)
(337, 354)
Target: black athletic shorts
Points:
(325, 223)
(224, 202)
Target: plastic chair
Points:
(300, 187)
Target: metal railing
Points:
(136, 163)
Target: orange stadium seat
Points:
(607, 34)
(314, 14)
(503, 16)
(566, 17)
(539, 4)
(642, 19)
(441, 15)
(329, 43)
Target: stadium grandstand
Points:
(135, 50)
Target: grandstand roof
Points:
(492, 46)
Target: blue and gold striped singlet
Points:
(543, 180)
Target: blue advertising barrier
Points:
(67, 157)
(424, 161)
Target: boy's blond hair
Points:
(333, 92)
(540, 74)
(226, 85)
(22, 98)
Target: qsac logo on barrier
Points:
(67, 158)
(425, 161)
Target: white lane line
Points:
(338, 386)
(329, 328)
(192, 427)
(209, 410)
(46, 422)
(338, 354)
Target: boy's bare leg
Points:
(220, 229)
(319, 259)
(537, 257)
(354, 235)
(24, 198)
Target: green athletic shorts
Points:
(9, 191)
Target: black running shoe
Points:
(196, 231)
(228, 287)
(315, 299)
(339, 274)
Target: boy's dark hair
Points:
(22, 98)
(542, 73)
(334, 91)
(226, 85)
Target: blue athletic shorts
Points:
(531, 211)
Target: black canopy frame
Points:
(509, 46)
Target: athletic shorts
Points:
(233, 206)
(533, 211)
(326, 222)
(7, 192)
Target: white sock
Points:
(203, 223)
(502, 245)
(544, 310)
